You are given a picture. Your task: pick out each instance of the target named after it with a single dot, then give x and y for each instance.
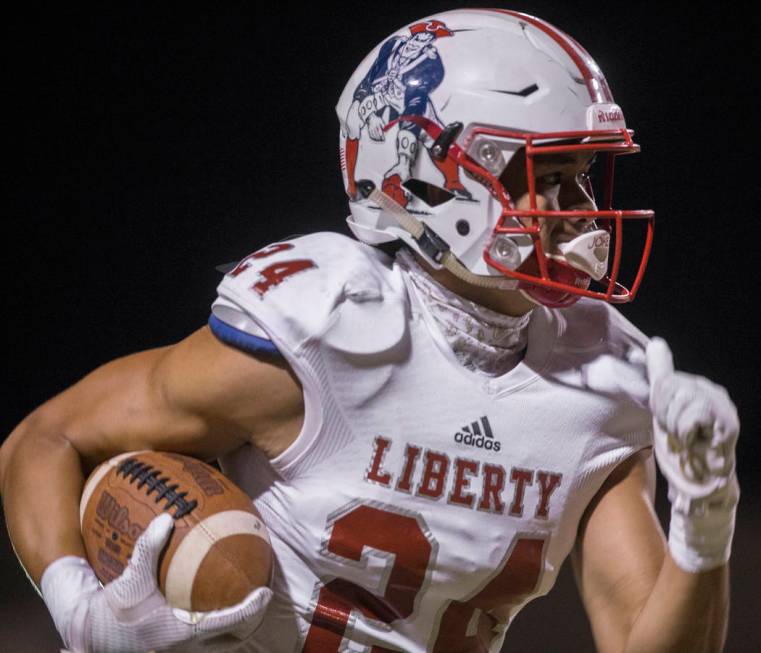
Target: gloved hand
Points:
(130, 614)
(695, 426)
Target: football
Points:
(219, 550)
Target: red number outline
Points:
(513, 580)
(338, 603)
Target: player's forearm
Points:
(685, 612)
(41, 482)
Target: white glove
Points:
(130, 615)
(696, 426)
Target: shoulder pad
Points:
(324, 286)
(593, 325)
(608, 349)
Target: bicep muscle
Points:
(198, 397)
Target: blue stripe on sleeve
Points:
(240, 339)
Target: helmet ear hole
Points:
(431, 194)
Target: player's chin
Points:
(560, 272)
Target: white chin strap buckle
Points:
(588, 253)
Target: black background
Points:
(158, 140)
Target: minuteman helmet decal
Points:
(399, 82)
(473, 88)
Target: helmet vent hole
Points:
(524, 92)
(431, 194)
(463, 227)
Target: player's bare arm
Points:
(636, 597)
(199, 397)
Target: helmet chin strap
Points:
(437, 249)
(430, 243)
(528, 297)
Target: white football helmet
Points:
(473, 87)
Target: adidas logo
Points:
(478, 434)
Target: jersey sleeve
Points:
(322, 289)
(233, 327)
(313, 298)
(609, 349)
(608, 353)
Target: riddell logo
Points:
(478, 434)
(610, 116)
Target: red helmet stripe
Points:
(594, 80)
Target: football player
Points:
(430, 420)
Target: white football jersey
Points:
(422, 505)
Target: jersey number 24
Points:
(406, 536)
